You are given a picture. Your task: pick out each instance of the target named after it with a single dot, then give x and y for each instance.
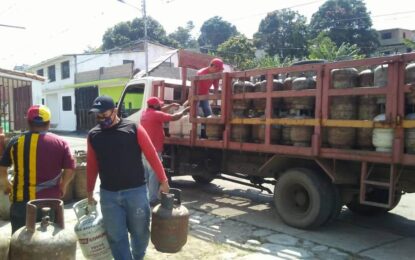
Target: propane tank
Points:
(169, 223)
(345, 78)
(382, 138)
(410, 78)
(4, 247)
(45, 240)
(90, 232)
(410, 136)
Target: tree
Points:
(282, 32)
(410, 44)
(183, 36)
(214, 32)
(238, 51)
(324, 48)
(273, 61)
(126, 32)
(346, 21)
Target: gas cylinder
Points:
(381, 75)
(342, 108)
(90, 232)
(301, 135)
(382, 138)
(4, 205)
(306, 103)
(367, 110)
(410, 136)
(4, 247)
(2, 141)
(410, 78)
(169, 223)
(366, 78)
(240, 133)
(258, 133)
(175, 128)
(345, 78)
(214, 131)
(45, 240)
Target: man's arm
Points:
(166, 108)
(151, 155)
(67, 176)
(179, 115)
(91, 172)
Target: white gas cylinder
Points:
(382, 138)
(90, 232)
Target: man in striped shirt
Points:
(38, 158)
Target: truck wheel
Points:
(375, 195)
(303, 198)
(202, 179)
(336, 206)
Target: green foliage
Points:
(183, 36)
(324, 48)
(346, 21)
(214, 32)
(283, 32)
(410, 44)
(238, 51)
(273, 61)
(126, 32)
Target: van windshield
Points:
(131, 100)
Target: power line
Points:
(13, 26)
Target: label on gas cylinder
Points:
(93, 240)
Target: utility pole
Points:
(145, 36)
(144, 13)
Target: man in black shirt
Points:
(114, 150)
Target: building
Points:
(392, 41)
(72, 80)
(18, 91)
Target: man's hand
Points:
(91, 200)
(187, 109)
(164, 187)
(63, 187)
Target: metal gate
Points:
(22, 96)
(84, 98)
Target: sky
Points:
(57, 27)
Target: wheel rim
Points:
(297, 200)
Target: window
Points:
(51, 73)
(128, 62)
(65, 69)
(404, 35)
(386, 35)
(39, 72)
(43, 101)
(67, 103)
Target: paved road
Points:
(390, 236)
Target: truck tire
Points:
(203, 179)
(336, 206)
(303, 198)
(367, 210)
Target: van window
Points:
(131, 100)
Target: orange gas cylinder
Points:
(169, 223)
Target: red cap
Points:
(218, 63)
(154, 101)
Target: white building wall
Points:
(61, 120)
(37, 92)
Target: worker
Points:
(152, 119)
(203, 86)
(115, 147)
(38, 158)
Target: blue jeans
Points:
(123, 212)
(204, 104)
(153, 183)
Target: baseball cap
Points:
(38, 114)
(102, 104)
(154, 101)
(218, 63)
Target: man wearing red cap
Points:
(152, 119)
(38, 158)
(203, 86)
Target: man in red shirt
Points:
(152, 120)
(203, 86)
